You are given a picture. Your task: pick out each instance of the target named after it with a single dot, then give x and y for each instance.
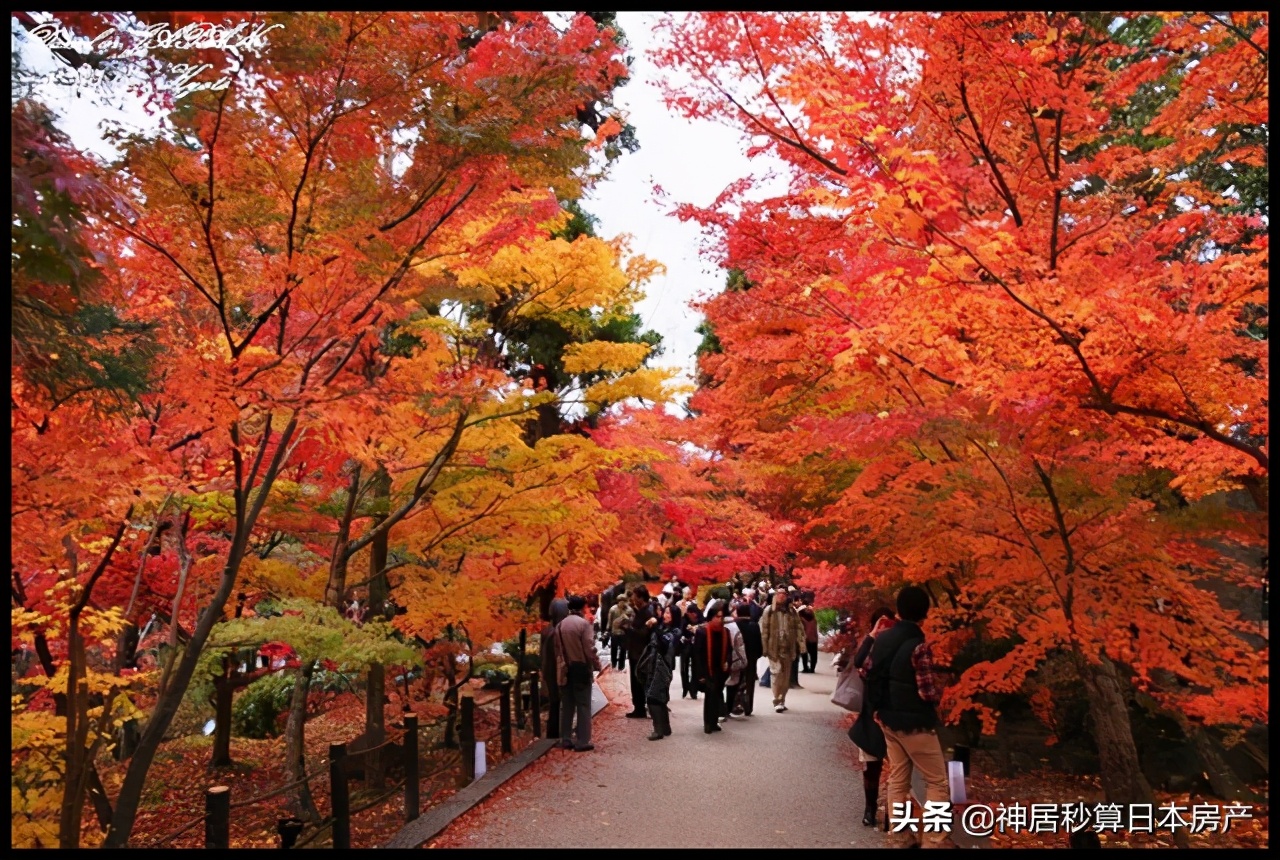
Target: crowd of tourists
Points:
(715, 651)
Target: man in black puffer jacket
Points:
(904, 692)
(642, 621)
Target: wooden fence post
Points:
(289, 830)
(217, 817)
(504, 716)
(411, 801)
(535, 702)
(519, 703)
(340, 800)
(520, 676)
(467, 736)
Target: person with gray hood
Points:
(550, 688)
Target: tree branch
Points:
(1002, 186)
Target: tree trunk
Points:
(128, 740)
(304, 806)
(1226, 784)
(98, 795)
(127, 647)
(76, 734)
(335, 589)
(544, 593)
(78, 760)
(233, 677)
(166, 705)
(223, 687)
(548, 420)
(1257, 487)
(452, 685)
(375, 730)
(1122, 777)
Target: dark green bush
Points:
(254, 712)
(827, 619)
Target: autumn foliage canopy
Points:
(341, 331)
(1005, 335)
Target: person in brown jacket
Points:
(576, 658)
(782, 637)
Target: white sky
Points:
(692, 161)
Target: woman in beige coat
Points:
(782, 635)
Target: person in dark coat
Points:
(550, 689)
(691, 621)
(905, 688)
(656, 664)
(711, 654)
(641, 626)
(872, 759)
(809, 619)
(750, 631)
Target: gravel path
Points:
(772, 780)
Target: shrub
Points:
(254, 712)
(488, 658)
(494, 675)
(511, 647)
(827, 619)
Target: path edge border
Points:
(416, 833)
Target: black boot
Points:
(871, 788)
